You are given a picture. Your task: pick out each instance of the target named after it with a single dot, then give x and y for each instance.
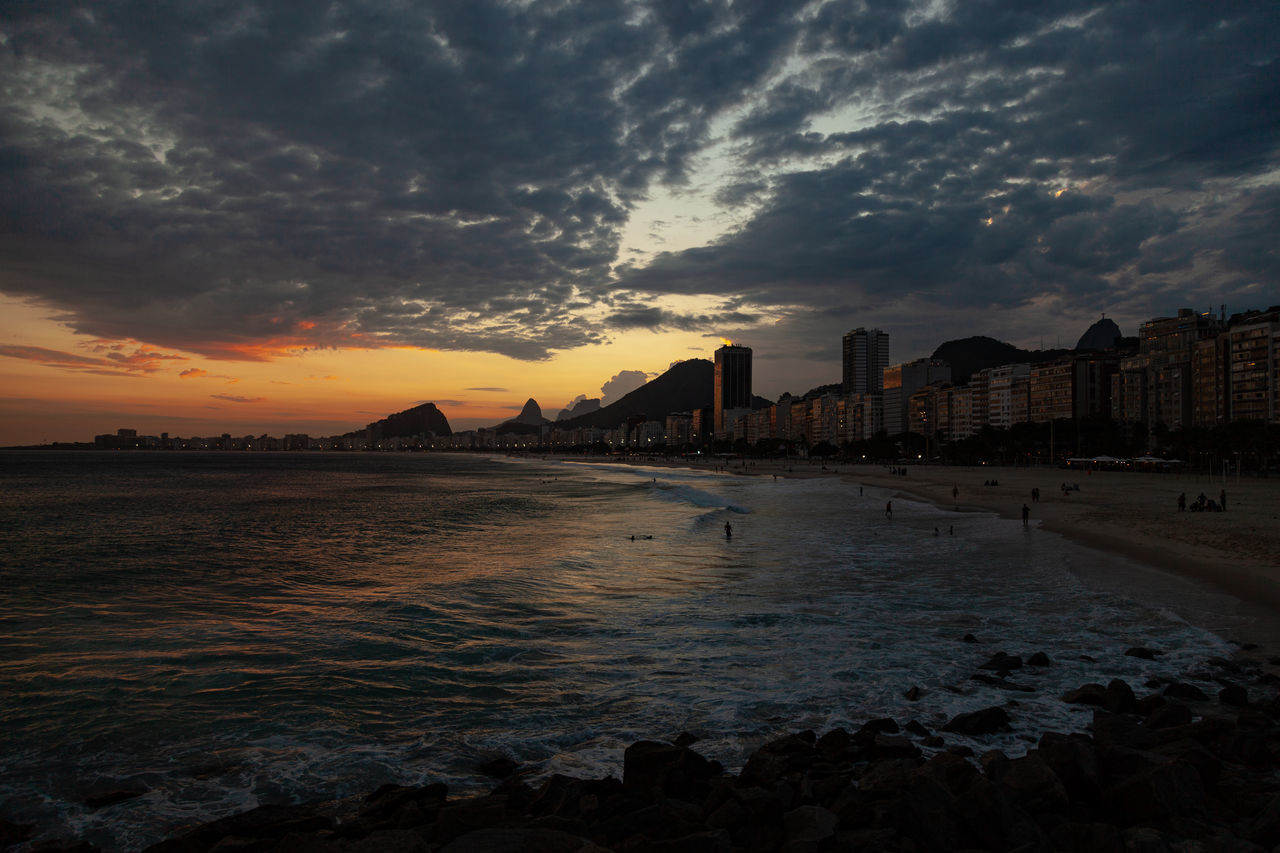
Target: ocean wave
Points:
(681, 493)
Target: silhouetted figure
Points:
(1182, 502)
(955, 492)
(1222, 499)
(951, 530)
(888, 509)
(1026, 515)
(728, 530)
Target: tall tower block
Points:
(865, 355)
(733, 384)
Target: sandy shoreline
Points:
(1131, 514)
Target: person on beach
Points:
(1026, 515)
(728, 530)
(1222, 500)
(955, 492)
(888, 509)
(1182, 502)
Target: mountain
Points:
(1101, 335)
(969, 355)
(528, 422)
(531, 413)
(581, 407)
(688, 385)
(419, 419)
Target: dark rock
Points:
(951, 771)
(263, 822)
(892, 746)
(1032, 784)
(916, 728)
(306, 842)
(1208, 765)
(835, 743)
(1001, 662)
(994, 822)
(1233, 694)
(1088, 838)
(499, 768)
(969, 638)
(882, 725)
(1142, 652)
(394, 841)
(1119, 697)
(984, 722)
(1086, 694)
(889, 776)
(652, 769)
(110, 796)
(568, 797)
(777, 758)
(810, 824)
(913, 693)
(1115, 731)
(495, 840)
(1148, 705)
(1165, 794)
(1264, 828)
(1168, 715)
(686, 739)
(1039, 659)
(399, 807)
(459, 818)
(1182, 690)
(1073, 759)
(13, 833)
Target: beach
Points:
(1129, 513)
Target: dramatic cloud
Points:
(621, 385)
(232, 398)
(244, 179)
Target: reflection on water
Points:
(231, 629)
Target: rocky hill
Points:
(686, 386)
(967, 356)
(419, 419)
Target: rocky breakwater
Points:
(1190, 765)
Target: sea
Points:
(222, 630)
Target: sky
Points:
(255, 217)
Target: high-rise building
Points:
(864, 357)
(733, 386)
(903, 380)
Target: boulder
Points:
(1185, 691)
(1164, 794)
(984, 722)
(652, 769)
(497, 840)
(1001, 662)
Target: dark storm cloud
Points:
(1151, 113)
(243, 177)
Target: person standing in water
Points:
(728, 530)
(888, 509)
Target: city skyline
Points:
(246, 217)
